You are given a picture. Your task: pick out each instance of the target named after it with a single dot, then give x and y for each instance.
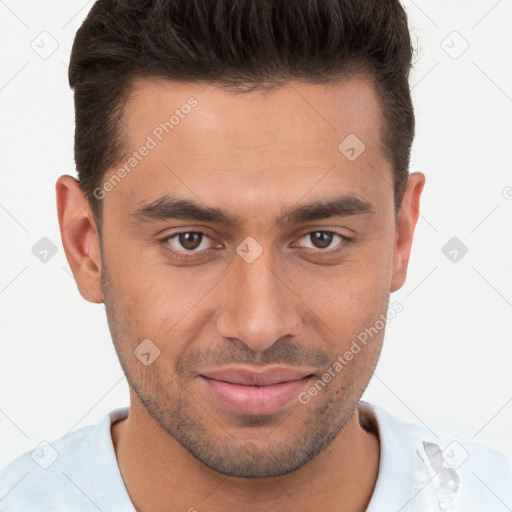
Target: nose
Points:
(260, 306)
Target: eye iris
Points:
(190, 240)
(322, 239)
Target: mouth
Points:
(250, 392)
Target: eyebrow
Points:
(173, 207)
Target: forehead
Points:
(295, 111)
(209, 142)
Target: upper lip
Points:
(251, 377)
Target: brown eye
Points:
(190, 245)
(321, 239)
(324, 239)
(325, 242)
(190, 240)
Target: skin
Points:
(298, 305)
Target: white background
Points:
(447, 357)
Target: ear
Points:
(406, 222)
(79, 238)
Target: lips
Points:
(252, 378)
(255, 392)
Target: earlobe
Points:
(406, 223)
(79, 238)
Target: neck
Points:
(158, 471)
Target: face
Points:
(250, 252)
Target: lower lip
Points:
(255, 400)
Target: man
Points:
(244, 210)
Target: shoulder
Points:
(459, 472)
(77, 472)
(59, 464)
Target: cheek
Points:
(153, 300)
(351, 296)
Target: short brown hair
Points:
(242, 44)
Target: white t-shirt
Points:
(419, 471)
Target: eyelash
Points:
(345, 240)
